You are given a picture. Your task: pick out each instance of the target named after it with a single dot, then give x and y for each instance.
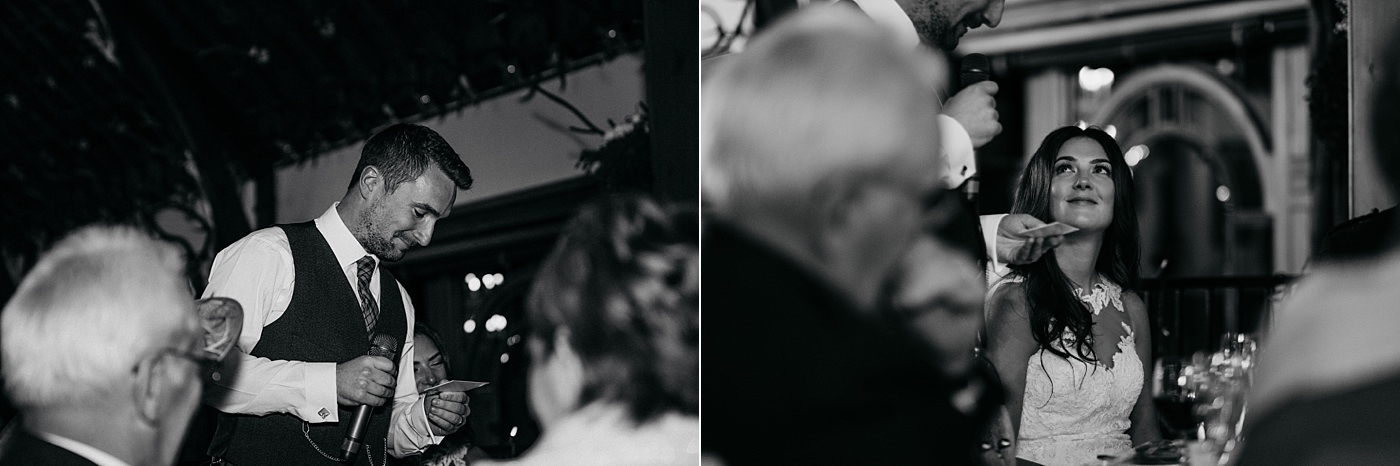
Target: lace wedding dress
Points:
(1074, 411)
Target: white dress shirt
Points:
(959, 159)
(258, 272)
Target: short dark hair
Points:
(401, 153)
(623, 280)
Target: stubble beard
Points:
(935, 26)
(368, 227)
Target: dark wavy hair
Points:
(623, 281)
(420, 329)
(1050, 298)
(402, 152)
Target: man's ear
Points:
(843, 213)
(148, 394)
(371, 181)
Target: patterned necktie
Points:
(367, 305)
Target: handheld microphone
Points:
(382, 345)
(975, 68)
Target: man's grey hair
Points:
(822, 100)
(95, 305)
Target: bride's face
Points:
(428, 365)
(1081, 186)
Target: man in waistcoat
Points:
(314, 295)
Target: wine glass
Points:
(1223, 390)
(1239, 350)
(1176, 392)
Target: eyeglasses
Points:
(206, 365)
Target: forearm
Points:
(1144, 419)
(260, 386)
(1015, 395)
(1013, 379)
(1145, 428)
(1144, 415)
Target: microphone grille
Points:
(975, 68)
(976, 62)
(384, 345)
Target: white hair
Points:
(97, 303)
(823, 98)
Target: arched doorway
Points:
(1198, 150)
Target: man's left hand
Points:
(447, 411)
(1014, 247)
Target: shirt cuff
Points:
(410, 432)
(958, 156)
(422, 412)
(321, 400)
(995, 268)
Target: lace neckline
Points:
(1103, 293)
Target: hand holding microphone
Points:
(367, 381)
(975, 106)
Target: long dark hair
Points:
(1050, 297)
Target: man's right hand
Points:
(975, 108)
(366, 380)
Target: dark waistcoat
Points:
(322, 323)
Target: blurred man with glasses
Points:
(102, 353)
(819, 181)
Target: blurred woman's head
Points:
(429, 362)
(614, 313)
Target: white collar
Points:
(887, 13)
(347, 249)
(99, 457)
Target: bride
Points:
(1067, 338)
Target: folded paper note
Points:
(1052, 229)
(454, 386)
